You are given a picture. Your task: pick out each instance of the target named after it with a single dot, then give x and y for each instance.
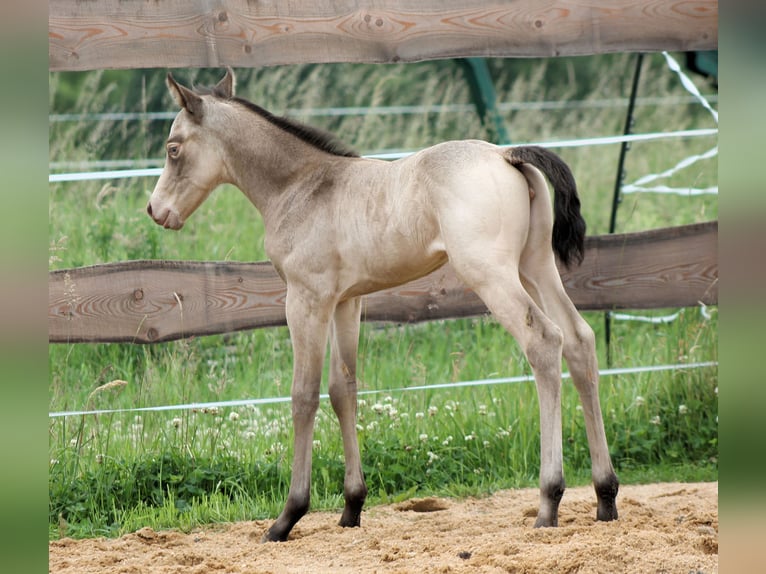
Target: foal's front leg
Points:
(308, 320)
(343, 395)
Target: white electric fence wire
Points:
(155, 172)
(645, 318)
(658, 319)
(639, 187)
(397, 110)
(462, 384)
(689, 85)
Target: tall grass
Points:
(112, 473)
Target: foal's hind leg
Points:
(343, 393)
(541, 341)
(542, 280)
(498, 285)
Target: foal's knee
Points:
(304, 405)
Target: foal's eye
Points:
(173, 150)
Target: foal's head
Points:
(194, 164)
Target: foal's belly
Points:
(377, 275)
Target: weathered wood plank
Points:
(150, 301)
(211, 33)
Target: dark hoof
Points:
(606, 511)
(543, 522)
(606, 493)
(550, 498)
(271, 537)
(352, 516)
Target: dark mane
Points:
(316, 137)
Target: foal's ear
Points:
(185, 98)
(228, 83)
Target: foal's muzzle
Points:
(167, 218)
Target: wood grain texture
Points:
(151, 301)
(108, 34)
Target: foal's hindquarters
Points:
(496, 222)
(498, 236)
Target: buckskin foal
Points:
(339, 226)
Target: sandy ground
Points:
(663, 528)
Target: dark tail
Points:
(568, 224)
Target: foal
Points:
(339, 226)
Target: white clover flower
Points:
(447, 440)
(655, 420)
(639, 401)
(419, 415)
(470, 437)
(486, 444)
(372, 425)
(233, 416)
(432, 457)
(423, 437)
(682, 409)
(317, 443)
(482, 410)
(377, 407)
(432, 410)
(716, 390)
(361, 403)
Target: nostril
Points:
(149, 209)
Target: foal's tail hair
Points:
(568, 224)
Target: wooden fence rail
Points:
(152, 301)
(210, 33)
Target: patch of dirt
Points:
(663, 528)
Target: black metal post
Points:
(617, 197)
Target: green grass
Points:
(114, 473)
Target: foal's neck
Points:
(267, 161)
